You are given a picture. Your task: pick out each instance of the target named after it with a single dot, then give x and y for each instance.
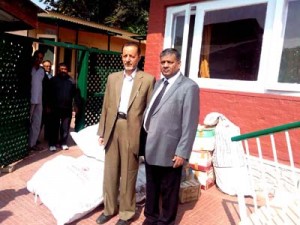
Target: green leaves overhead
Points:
(130, 15)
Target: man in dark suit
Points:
(126, 96)
(171, 125)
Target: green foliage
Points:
(130, 15)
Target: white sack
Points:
(72, 187)
(228, 157)
(233, 180)
(87, 140)
(69, 187)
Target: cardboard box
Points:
(187, 173)
(208, 184)
(201, 160)
(206, 178)
(189, 191)
(205, 139)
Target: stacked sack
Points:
(201, 157)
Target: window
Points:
(231, 43)
(249, 45)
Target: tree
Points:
(130, 15)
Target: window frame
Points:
(273, 39)
(172, 12)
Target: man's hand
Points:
(178, 161)
(101, 141)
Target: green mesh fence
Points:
(100, 66)
(15, 56)
(15, 76)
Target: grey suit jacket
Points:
(174, 123)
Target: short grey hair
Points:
(171, 51)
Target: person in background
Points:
(36, 108)
(46, 98)
(63, 98)
(171, 121)
(126, 96)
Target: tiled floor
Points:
(17, 206)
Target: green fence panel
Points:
(15, 70)
(94, 66)
(101, 64)
(83, 59)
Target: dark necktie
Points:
(155, 104)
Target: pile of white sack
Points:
(72, 187)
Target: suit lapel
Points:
(119, 82)
(170, 92)
(157, 84)
(136, 87)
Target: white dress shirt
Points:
(126, 91)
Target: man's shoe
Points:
(65, 147)
(146, 222)
(123, 222)
(52, 148)
(36, 148)
(103, 219)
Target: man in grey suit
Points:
(170, 121)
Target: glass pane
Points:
(190, 45)
(178, 32)
(290, 59)
(68, 58)
(231, 43)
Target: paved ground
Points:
(17, 206)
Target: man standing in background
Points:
(126, 96)
(36, 108)
(46, 98)
(64, 97)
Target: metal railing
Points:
(273, 176)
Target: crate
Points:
(189, 191)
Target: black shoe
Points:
(36, 148)
(123, 222)
(103, 219)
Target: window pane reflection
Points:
(290, 59)
(178, 30)
(231, 43)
